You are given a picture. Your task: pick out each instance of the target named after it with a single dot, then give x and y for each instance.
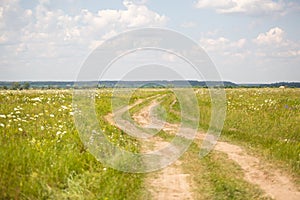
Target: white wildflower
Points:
(42, 128)
(36, 99)
(51, 115)
(64, 107)
(20, 129)
(33, 141)
(3, 116)
(2, 125)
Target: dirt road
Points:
(172, 183)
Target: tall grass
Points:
(43, 157)
(266, 120)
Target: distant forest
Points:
(131, 84)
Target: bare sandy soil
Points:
(272, 181)
(172, 183)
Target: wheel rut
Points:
(172, 183)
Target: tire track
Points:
(172, 183)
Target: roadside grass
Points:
(147, 98)
(214, 176)
(42, 156)
(265, 120)
(169, 109)
(217, 177)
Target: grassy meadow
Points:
(42, 156)
(265, 120)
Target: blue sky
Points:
(248, 40)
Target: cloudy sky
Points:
(248, 40)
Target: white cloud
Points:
(240, 43)
(274, 43)
(137, 2)
(269, 45)
(3, 38)
(222, 44)
(230, 51)
(41, 37)
(139, 15)
(288, 53)
(168, 57)
(43, 32)
(250, 7)
(188, 25)
(269, 57)
(273, 36)
(212, 33)
(215, 3)
(44, 25)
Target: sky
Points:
(249, 41)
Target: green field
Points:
(265, 120)
(42, 156)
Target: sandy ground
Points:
(272, 181)
(172, 183)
